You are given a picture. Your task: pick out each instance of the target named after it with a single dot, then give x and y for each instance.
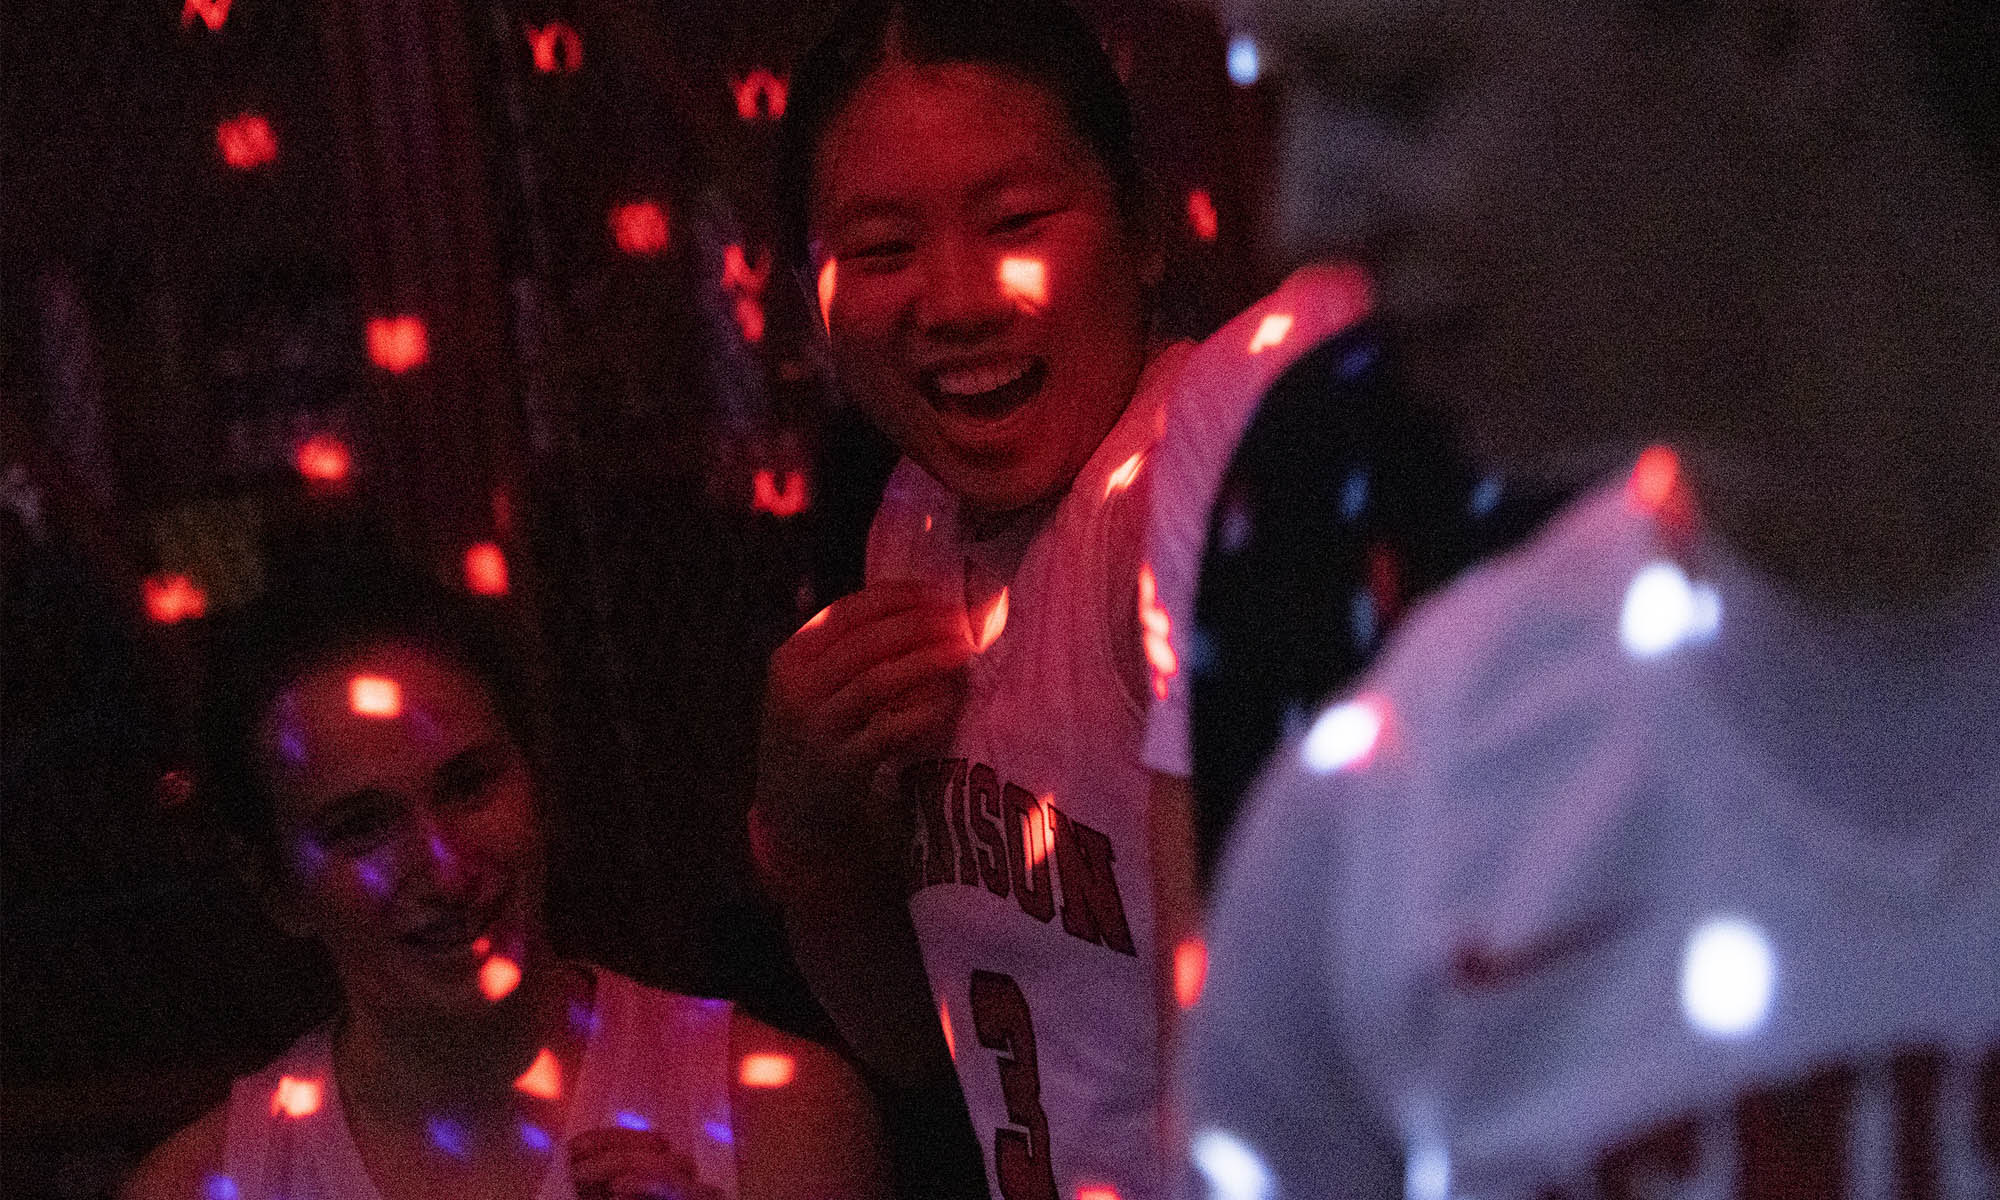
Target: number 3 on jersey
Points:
(1000, 1017)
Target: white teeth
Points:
(974, 380)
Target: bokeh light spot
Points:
(639, 228)
(1728, 977)
(247, 142)
(1233, 1170)
(766, 1070)
(1190, 971)
(543, 1078)
(498, 977)
(375, 696)
(295, 1097)
(1346, 735)
(1271, 331)
(172, 597)
(486, 569)
(398, 344)
(1201, 215)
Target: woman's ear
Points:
(258, 869)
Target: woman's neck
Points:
(402, 1070)
(1867, 473)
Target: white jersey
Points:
(1218, 392)
(1621, 876)
(1030, 879)
(654, 1060)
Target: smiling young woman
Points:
(367, 760)
(951, 755)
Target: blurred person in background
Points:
(1657, 857)
(366, 756)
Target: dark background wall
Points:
(484, 252)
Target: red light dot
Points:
(374, 696)
(786, 500)
(498, 977)
(543, 1078)
(172, 597)
(829, 274)
(1271, 331)
(750, 318)
(1201, 214)
(295, 1097)
(212, 13)
(639, 228)
(398, 344)
(1654, 477)
(485, 569)
(1095, 1191)
(766, 1070)
(556, 46)
(246, 142)
(760, 95)
(1190, 971)
(323, 458)
(1025, 281)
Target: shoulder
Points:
(805, 1123)
(775, 1069)
(179, 1167)
(1508, 670)
(1544, 613)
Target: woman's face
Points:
(412, 846)
(986, 296)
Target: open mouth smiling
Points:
(985, 392)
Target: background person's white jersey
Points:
(1650, 885)
(653, 1060)
(1029, 878)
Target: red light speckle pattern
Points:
(171, 598)
(639, 228)
(485, 569)
(398, 344)
(766, 1070)
(247, 142)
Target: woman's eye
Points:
(359, 834)
(1022, 221)
(879, 250)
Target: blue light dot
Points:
(1243, 65)
(632, 1120)
(448, 1136)
(535, 1138)
(1361, 619)
(720, 1132)
(1357, 362)
(219, 1187)
(1485, 497)
(1354, 494)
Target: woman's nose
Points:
(432, 858)
(961, 298)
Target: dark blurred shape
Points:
(1343, 505)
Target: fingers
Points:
(631, 1164)
(886, 683)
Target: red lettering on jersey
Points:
(988, 815)
(1644, 1166)
(968, 861)
(923, 784)
(1000, 1017)
(1916, 1074)
(1031, 883)
(1792, 1141)
(1092, 908)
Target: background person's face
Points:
(1554, 196)
(987, 306)
(408, 825)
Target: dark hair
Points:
(1046, 41)
(314, 619)
(1955, 47)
